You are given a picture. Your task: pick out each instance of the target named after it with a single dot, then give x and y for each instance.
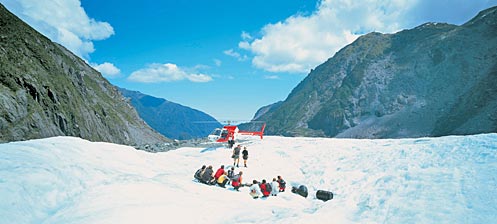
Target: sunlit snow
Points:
(429, 180)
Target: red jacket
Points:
(219, 172)
(264, 190)
(237, 179)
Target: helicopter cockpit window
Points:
(224, 133)
(216, 132)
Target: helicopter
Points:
(231, 132)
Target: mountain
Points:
(256, 126)
(266, 109)
(434, 80)
(45, 90)
(171, 119)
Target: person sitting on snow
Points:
(265, 188)
(236, 182)
(198, 174)
(231, 174)
(207, 177)
(255, 190)
(222, 180)
(219, 172)
(275, 187)
(282, 184)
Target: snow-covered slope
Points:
(429, 180)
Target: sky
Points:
(426, 180)
(226, 58)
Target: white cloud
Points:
(302, 42)
(107, 69)
(236, 55)
(232, 53)
(63, 21)
(217, 62)
(244, 45)
(246, 36)
(271, 77)
(166, 73)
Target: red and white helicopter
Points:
(231, 132)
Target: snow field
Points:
(429, 180)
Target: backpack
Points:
(268, 187)
(302, 191)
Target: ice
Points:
(429, 180)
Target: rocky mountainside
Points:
(171, 119)
(263, 110)
(45, 90)
(436, 79)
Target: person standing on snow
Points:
(231, 143)
(236, 155)
(245, 156)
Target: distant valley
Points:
(172, 120)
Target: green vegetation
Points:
(48, 91)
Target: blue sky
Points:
(227, 58)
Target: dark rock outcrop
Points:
(45, 91)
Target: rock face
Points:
(46, 91)
(433, 80)
(171, 119)
(265, 109)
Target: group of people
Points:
(222, 177)
(264, 189)
(236, 155)
(206, 175)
